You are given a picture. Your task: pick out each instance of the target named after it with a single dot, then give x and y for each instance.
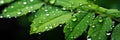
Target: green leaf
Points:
(99, 28)
(5, 1)
(70, 4)
(21, 7)
(49, 18)
(116, 33)
(113, 12)
(74, 29)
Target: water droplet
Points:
(39, 33)
(50, 27)
(24, 2)
(46, 27)
(60, 25)
(46, 10)
(56, 9)
(89, 5)
(31, 0)
(47, 14)
(100, 20)
(12, 6)
(5, 10)
(64, 8)
(1, 16)
(8, 15)
(108, 34)
(93, 26)
(80, 4)
(19, 12)
(31, 7)
(2, 2)
(52, 1)
(27, 7)
(79, 11)
(88, 38)
(74, 19)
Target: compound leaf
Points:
(49, 18)
(74, 29)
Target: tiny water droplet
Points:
(1, 16)
(31, 0)
(64, 8)
(100, 20)
(12, 6)
(108, 34)
(19, 12)
(39, 33)
(46, 10)
(46, 27)
(47, 14)
(80, 4)
(93, 26)
(24, 2)
(88, 38)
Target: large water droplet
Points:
(88, 38)
(74, 19)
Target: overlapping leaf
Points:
(100, 26)
(49, 18)
(21, 7)
(116, 33)
(74, 29)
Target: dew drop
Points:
(52, 1)
(46, 10)
(2, 2)
(63, 8)
(50, 27)
(47, 14)
(80, 4)
(31, 7)
(93, 26)
(19, 12)
(88, 38)
(100, 20)
(60, 25)
(12, 6)
(24, 2)
(46, 27)
(39, 33)
(108, 34)
(8, 15)
(31, 0)
(1, 16)
(74, 19)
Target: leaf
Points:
(49, 18)
(21, 7)
(113, 12)
(5, 1)
(99, 28)
(74, 29)
(116, 33)
(70, 4)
